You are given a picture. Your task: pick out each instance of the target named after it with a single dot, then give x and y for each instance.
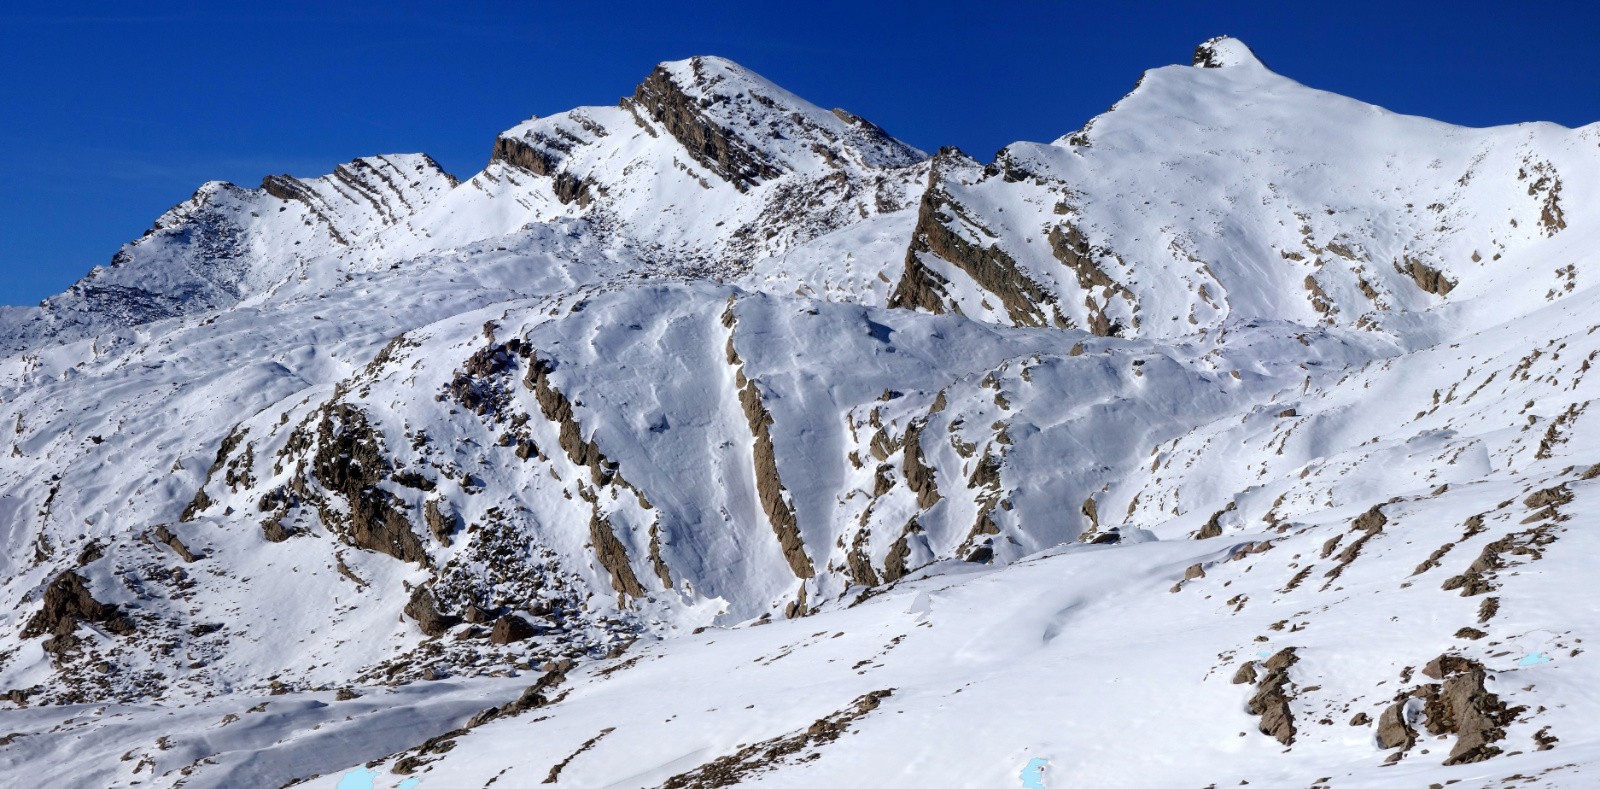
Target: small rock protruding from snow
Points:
(1225, 51)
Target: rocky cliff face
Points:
(716, 358)
(723, 152)
(1023, 302)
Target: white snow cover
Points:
(1241, 435)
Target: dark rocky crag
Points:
(722, 151)
(67, 604)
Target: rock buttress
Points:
(608, 549)
(769, 485)
(349, 463)
(718, 149)
(68, 603)
(1024, 300)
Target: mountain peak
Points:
(713, 75)
(747, 129)
(1224, 52)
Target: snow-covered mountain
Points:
(696, 433)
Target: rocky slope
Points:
(718, 384)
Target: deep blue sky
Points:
(112, 112)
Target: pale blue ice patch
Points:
(363, 778)
(1033, 774)
(359, 778)
(1533, 659)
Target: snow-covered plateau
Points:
(1237, 438)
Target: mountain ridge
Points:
(693, 376)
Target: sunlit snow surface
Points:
(1244, 403)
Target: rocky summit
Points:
(715, 438)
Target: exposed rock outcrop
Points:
(1546, 187)
(769, 484)
(274, 530)
(290, 188)
(382, 188)
(1069, 246)
(1427, 277)
(1463, 706)
(1479, 577)
(1272, 697)
(1223, 51)
(350, 462)
(756, 757)
(862, 573)
(522, 154)
(67, 604)
(441, 519)
(541, 160)
(201, 501)
(1394, 729)
(510, 629)
(722, 151)
(165, 536)
(1025, 301)
(920, 476)
(1368, 524)
(558, 409)
(608, 549)
(534, 696)
(895, 565)
(424, 609)
(1213, 525)
(474, 385)
(612, 556)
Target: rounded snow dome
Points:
(1224, 51)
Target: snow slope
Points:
(1238, 436)
(1231, 192)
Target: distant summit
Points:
(1225, 51)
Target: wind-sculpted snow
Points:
(717, 438)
